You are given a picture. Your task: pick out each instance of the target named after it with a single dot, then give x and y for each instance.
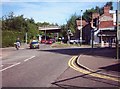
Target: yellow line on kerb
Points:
(71, 64)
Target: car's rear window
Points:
(34, 42)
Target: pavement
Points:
(100, 61)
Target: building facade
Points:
(105, 33)
(86, 31)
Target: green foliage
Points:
(9, 37)
(109, 4)
(14, 26)
(71, 23)
(63, 32)
(87, 15)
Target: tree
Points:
(109, 4)
(87, 15)
(71, 23)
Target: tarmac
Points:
(98, 60)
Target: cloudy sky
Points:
(54, 11)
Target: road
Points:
(33, 68)
(46, 67)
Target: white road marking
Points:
(22, 48)
(29, 58)
(10, 66)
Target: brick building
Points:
(86, 31)
(106, 32)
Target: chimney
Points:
(106, 9)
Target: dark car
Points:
(34, 44)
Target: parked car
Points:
(74, 41)
(43, 41)
(50, 41)
(34, 44)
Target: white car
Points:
(74, 41)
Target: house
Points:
(105, 32)
(86, 30)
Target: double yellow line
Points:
(73, 66)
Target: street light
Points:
(81, 29)
(118, 30)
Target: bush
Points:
(9, 37)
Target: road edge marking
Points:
(71, 64)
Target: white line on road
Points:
(10, 66)
(29, 58)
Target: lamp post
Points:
(118, 29)
(81, 29)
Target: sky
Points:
(52, 11)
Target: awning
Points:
(108, 33)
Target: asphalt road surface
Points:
(32, 67)
(43, 67)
